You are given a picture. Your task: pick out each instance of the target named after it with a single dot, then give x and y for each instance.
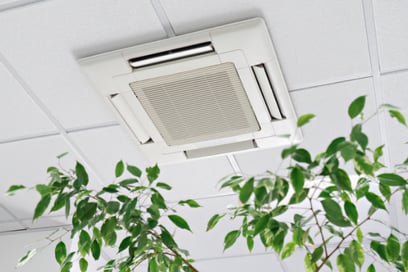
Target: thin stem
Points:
(341, 242)
(319, 226)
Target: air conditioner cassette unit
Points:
(215, 91)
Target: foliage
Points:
(132, 208)
(325, 201)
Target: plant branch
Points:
(319, 226)
(341, 242)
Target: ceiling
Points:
(330, 53)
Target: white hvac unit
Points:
(211, 92)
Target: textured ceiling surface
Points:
(330, 53)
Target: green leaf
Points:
(108, 231)
(134, 170)
(43, 189)
(288, 151)
(13, 188)
(261, 224)
(179, 221)
(379, 248)
(385, 191)
(297, 179)
(405, 202)
(375, 200)
(348, 151)
(84, 243)
(302, 155)
(342, 180)
(392, 247)
(391, 179)
(214, 220)
(62, 155)
(356, 107)
(167, 238)
(231, 238)
(398, 115)
(246, 190)
(164, 186)
(288, 250)
(95, 249)
(358, 136)
(334, 146)
(127, 182)
(59, 202)
(190, 202)
(351, 211)
(250, 243)
(371, 268)
(309, 265)
(404, 254)
(152, 173)
(82, 175)
(357, 253)
(345, 264)
(42, 206)
(125, 243)
(83, 265)
(333, 213)
(86, 210)
(360, 236)
(363, 185)
(378, 152)
(317, 254)
(152, 265)
(304, 119)
(60, 252)
(119, 169)
(112, 207)
(28, 256)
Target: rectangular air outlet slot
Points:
(198, 105)
(173, 54)
(220, 149)
(268, 93)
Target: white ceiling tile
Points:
(5, 216)
(391, 23)
(53, 34)
(196, 178)
(259, 263)
(329, 104)
(26, 162)
(317, 41)
(19, 115)
(47, 221)
(397, 138)
(20, 242)
(104, 147)
(394, 87)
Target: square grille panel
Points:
(198, 105)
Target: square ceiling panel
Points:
(391, 23)
(19, 116)
(26, 162)
(317, 41)
(53, 34)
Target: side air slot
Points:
(173, 54)
(220, 149)
(268, 94)
(127, 114)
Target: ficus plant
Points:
(320, 203)
(131, 208)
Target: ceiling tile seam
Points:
(396, 71)
(332, 83)
(16, 219)
(94, 127)
(77, 152)
(33, 230)
(234, 163)
(163, 18)
(370, 27)
(17, 4)
(27, 138)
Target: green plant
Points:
(132, 207)
(325, 202)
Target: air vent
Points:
(198, 105)
(207, 93)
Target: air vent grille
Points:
(198, 105)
